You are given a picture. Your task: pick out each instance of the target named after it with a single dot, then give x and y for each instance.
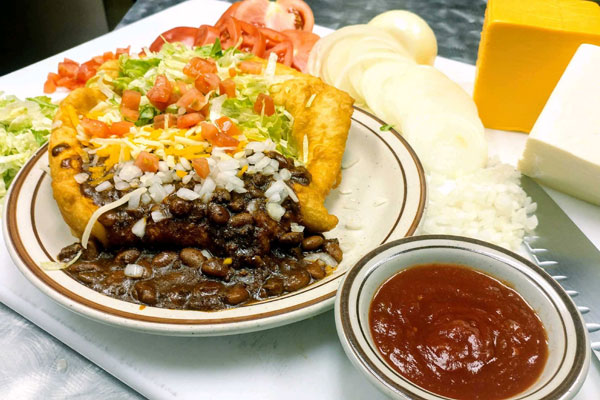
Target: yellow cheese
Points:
(525, 47)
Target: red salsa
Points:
(458, 332)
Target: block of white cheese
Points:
(563, 148)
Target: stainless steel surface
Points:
(560, 247)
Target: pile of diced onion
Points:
(488, 204)
(225, 173)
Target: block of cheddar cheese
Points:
(563, 148)
(525, 47)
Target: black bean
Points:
(59, 148)
(273, 286)
(110, 218)
(164, 258)
(86, 266)
(301, 175)
(312, 242)
(69, 252)
(283, 162)
(205, 288)
(291, 238)
(256, 192)
(241, 219)
(316, 270)
(198, 209)
(191, 257)
(179, 207)
(115, 278)
(66, 163)
(236, 294)
(237, 203)
(91, 252)
(128, 256)
(288, 264)
(145, 292)
(221, 196)
(332, 247)
(215, 268)
(260, 179)
(296, 279)
(177, 295)
(218, 214)
(90, 276)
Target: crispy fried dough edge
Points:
(325, 124)
(75, 208)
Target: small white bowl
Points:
(568, 349)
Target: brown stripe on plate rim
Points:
(61, 290)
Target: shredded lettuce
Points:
(24, 126)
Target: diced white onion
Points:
(134, 271)
(81, 177)
(187, 194)
(285, 174)
(275, 211)
(158, 216)
(326, 258)
(139, 228)
(129, 172)
(294, 227)
(103, 186)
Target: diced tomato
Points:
(122, 50)
(264, 103)
(109, 55)
(86, 71)
(207, 82)
(95, 128)
(189, 120)
(159, 121)
(69, 61)
(232, 72)
(131, 99)
(98, 60)
(226, 125)
(303, 43)
(201, 167)
(193, 100)
(184, 34)
(147, 162)
(120, 128)
(250, 67)
(68, 70)
(160, 93)
(227, 87)
(129, 114)
(198, 66)
(182, 87)
(216, 138)
(69, 83)
(206, 35)
(49, 86)
(53, 77)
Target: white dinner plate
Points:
(381, 198)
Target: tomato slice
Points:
(147, 162)
(227, 87)
(279, 15)
(207, 82)
(227, 126)
(131, 99)
(183, 34)
(250, 67)
(120, 128)
(252, 40)
(264, 103)
(229, 12)
(193, 100)
(278, 43)
(302, 42)
(229, 32)
(160, 93)
(95, 128)
(198, 66)
(201, 167)
(189, 120)
(206, 35)
(161, 120)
